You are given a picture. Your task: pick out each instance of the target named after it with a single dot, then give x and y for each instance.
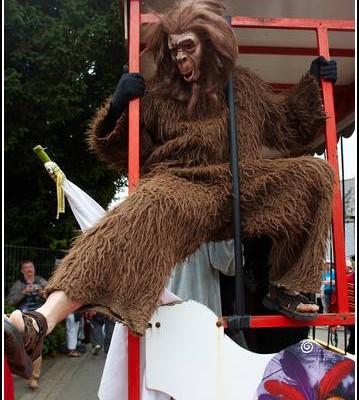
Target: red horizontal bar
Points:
(281, 321)
(279, 23)
(286, 51)
(293, 51)
(293, 23)
(287, 86)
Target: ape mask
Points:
(191, 38)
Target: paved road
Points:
(65, 378)
(321, 333)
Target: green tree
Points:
(62, 59)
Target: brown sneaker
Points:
(96, 350)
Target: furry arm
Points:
(109, 138)
(295, 120)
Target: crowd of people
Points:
(28, 293)
(199, 278)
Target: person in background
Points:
(350, 264)
(72, 331)
(351, 295)
(27, 294)
(108, 331)
(328, 286)
(96, 321)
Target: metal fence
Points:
(43, 259)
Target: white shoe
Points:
(96, 350)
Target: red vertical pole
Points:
(134, 106)
(8, 382)
(134, 373)
(332, 157)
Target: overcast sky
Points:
(350, 156)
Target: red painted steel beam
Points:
(278, 23)
(281, 321)
(287, 86)
(293, 23)
(285, 51)
(321, 27)
(332, 157)
(292, 51)
(134, 368)
(134, 106)
(134, 373)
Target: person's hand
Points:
(40, 291)
(130, 86)
(28, 289)
(320, 67)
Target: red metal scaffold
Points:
(321, 28)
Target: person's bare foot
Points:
(17, 320)
(33, 383)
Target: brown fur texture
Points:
(184, 197)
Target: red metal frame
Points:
(134, 372)
(332, 157)
(321, 27)
(134, 107)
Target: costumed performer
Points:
(184, 197)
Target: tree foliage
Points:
(62, 58)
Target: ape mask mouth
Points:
(187, 75)
(186, 53)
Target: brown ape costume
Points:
(122, 264)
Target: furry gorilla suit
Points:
(183, 199)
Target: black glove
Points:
(130, 86)
(327, 69)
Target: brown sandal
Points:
(18, 360)
(33, 340)
(285, 303)
(22, 349)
